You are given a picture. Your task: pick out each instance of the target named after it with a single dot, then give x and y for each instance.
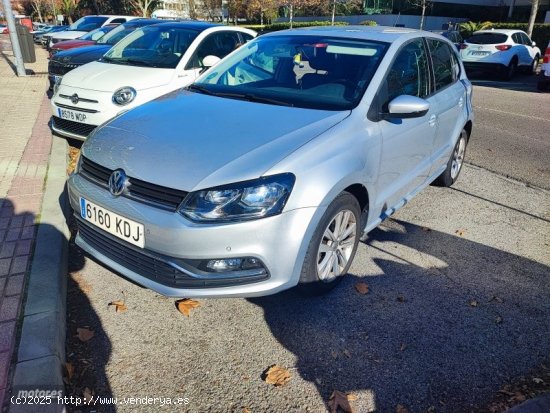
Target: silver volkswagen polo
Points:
(266, 172)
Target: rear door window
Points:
(443, 65)
(488, 38)
(525, 39)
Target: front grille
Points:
(131, 258)
(151, 265)
(76, 128)
(59, 69)
(152, 194)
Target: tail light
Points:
(463, 46)
(547, 56)
(503, 47)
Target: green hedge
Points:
(541, 32)
(286, 25)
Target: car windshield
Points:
(315, 72)
(97, 33)
(152, 46)
(117, 35)
(487, 38)
(88, 23)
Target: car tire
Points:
(509, 71)
(456, 161)
(331, 241)
(532, 69)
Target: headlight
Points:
(56, 85)
(248, 200)
(124, 95)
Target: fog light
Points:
(233, 264)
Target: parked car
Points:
(87, 40)
(40, 26)
(65, 61)
(453, 35)
(146, 64)
(86, 24)
(544, 75)
(265, 172)
(44, 37)
(503, 51)
(3, 29)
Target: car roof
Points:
(188, 24)
(501, 31)
(377, 33)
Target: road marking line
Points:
(511, 113)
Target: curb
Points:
(41, 354)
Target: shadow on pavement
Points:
(445, 329)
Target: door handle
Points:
(432, 120)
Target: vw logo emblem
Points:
(75, 99)
(117, 182)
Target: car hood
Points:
(189, 141)
(82, 55)
(69, 44)
(108, 77)
(68, 34)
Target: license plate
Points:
(71, 115)
(480, 53)
(123, 228)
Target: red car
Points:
(87, 40)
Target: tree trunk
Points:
(291, 14)
(532, 17)
(333, 11)
(423, 14)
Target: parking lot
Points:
(457, 303)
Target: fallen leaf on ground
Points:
(401, 298)
(88, 394)
(460, 232)
(277, 375)
(426, 229)
(498, 320)
(401, 409)
(186, 305)
(403, 347)
(70, 370)
(347, 353)
(246, 410)
(496, 299)
(84, 334)
(538, 380)
(473, 303)
(120, 307)
(341, 400)
(362, 288)
(334, 354)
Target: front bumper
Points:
(279, 242)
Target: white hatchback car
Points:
(148, 63)
(503, 50)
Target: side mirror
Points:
(406, 106)
(210, 61)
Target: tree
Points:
(532, 17)
(260, 9)
(212, 9)
(68, 8)
(471, 27)
(292, 5)
(143, 7)
(423, 4)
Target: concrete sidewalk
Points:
(25, 144)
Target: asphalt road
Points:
(511, 134)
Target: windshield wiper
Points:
(200, 89)
(262, 99)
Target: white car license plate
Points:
(71, 115)
(123, 228)
(480, 53)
